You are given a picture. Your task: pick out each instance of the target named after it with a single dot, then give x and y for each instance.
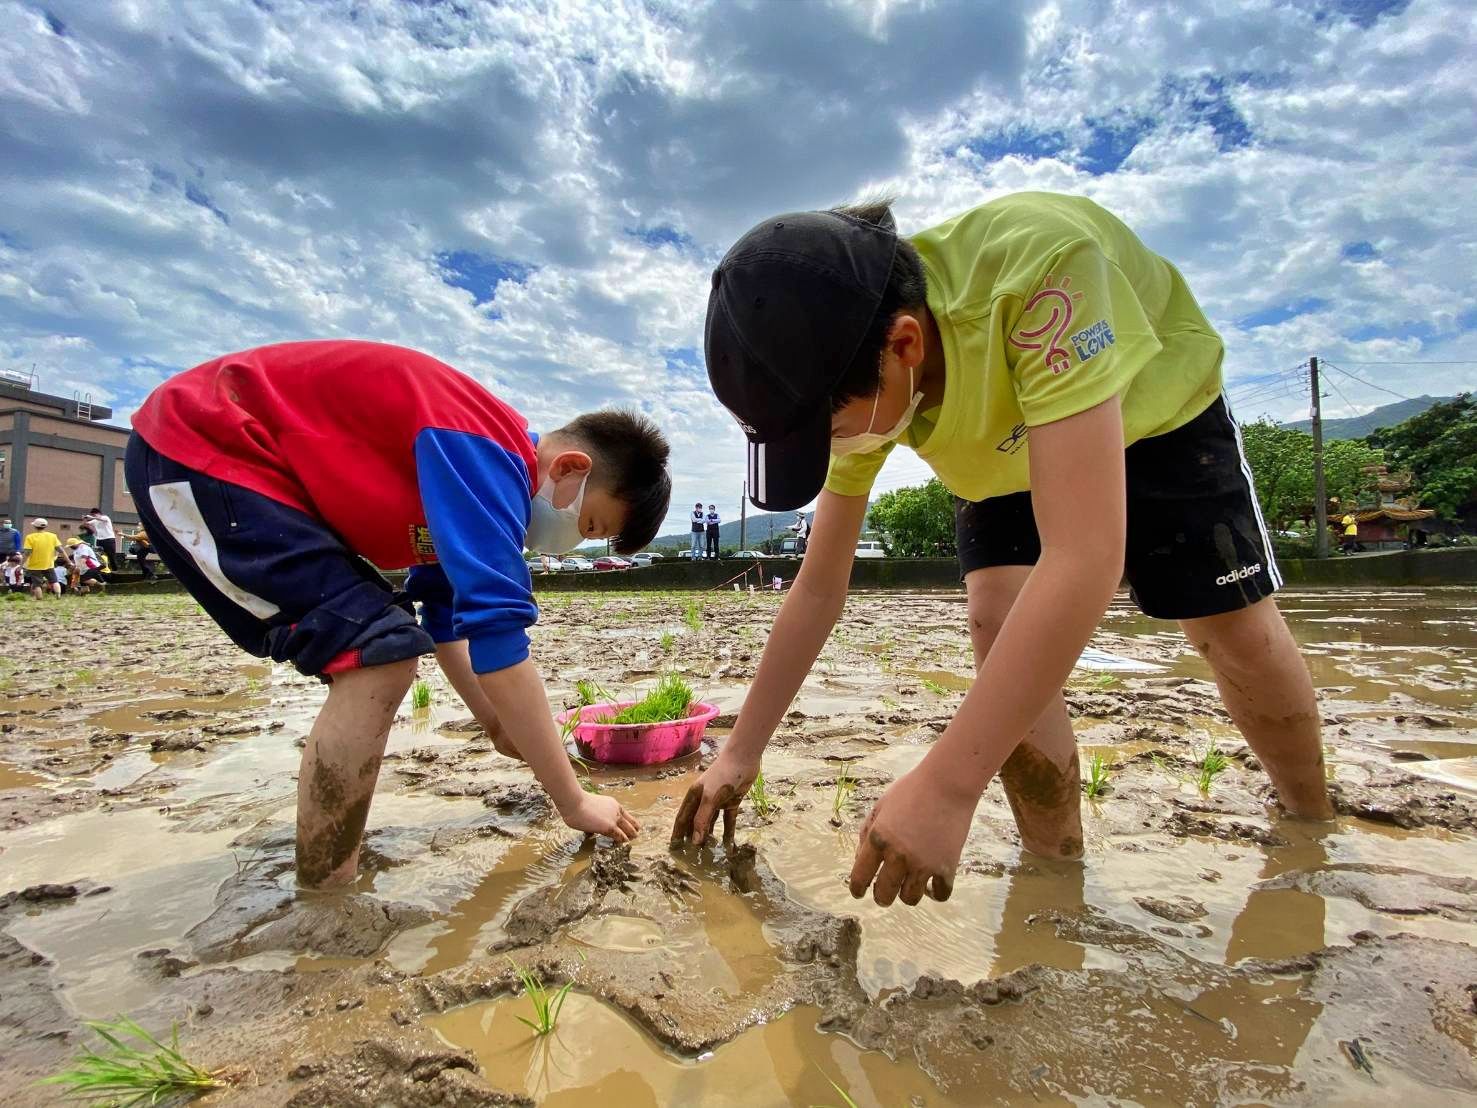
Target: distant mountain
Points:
(1356, 427)
(760, 526)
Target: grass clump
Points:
(670, 700)
(1212, 763)
(136, 1072)
(759, 794)
(420, 696)
(668, 642)
(1097, 775)
(692, 615)
(546, 1004)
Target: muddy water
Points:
(1205, 950)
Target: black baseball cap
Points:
(791, 303)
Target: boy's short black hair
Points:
(630, 454)
(907, 289)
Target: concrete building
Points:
(57, 459)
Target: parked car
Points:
(543, 563)
(643, 559)
(870, 550)
(654, 555)
(747, 554)
(684, 554)
(610, 561)
(578, 564)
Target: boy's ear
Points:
(570, 462)
(905, 339)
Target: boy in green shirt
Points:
(1060, 379)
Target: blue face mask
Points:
(554, 530)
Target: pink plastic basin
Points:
(637, 744)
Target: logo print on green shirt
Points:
(1058, 357)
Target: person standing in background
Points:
(10, 538)
(714, 523)
(699, 525)
(105, 539)
(41, 548)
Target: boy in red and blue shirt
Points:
(276, 482)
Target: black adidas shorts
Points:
(1197, 545)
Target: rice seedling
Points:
(692, 615)
(933, 686)
(420, 696)
(586, 778)
(1163, 767)
(124, 1073)
(591, 692)
(1212, 763)
(845, 784)
(759, 794)
(668, 641)
(84, 676)
(670, 700)
(546, 1004)
(1105, 680)
(846, 1101)
(1097, 775)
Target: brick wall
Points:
(63, 477)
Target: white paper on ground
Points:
(1093, 658)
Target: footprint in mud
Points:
(258, 911)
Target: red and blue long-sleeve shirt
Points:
(408, 461)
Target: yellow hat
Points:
(74, 542)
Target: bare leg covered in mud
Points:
(1041, 777)
(340, 767)
(1265, 687)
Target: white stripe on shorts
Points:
(1256, 505)
(175, 503)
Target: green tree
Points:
(1439, 447)
(1282, 461)
(918, 521)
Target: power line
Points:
(1366, 381)
(1351, 361)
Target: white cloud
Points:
(178, 179)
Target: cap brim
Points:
(788, 473)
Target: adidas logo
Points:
(1239, 574)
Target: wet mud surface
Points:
(1205, 949)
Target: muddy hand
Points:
(911, 841)
(720, 788)
(603, 815)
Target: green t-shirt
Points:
(1046, 305)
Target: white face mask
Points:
(870, 440)
(554, 530)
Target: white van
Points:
(867, 549)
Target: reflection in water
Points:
(1023, 938)
(1271, 1020)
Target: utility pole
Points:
(743, 514)
(1320, 494)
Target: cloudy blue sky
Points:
(536, 192)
